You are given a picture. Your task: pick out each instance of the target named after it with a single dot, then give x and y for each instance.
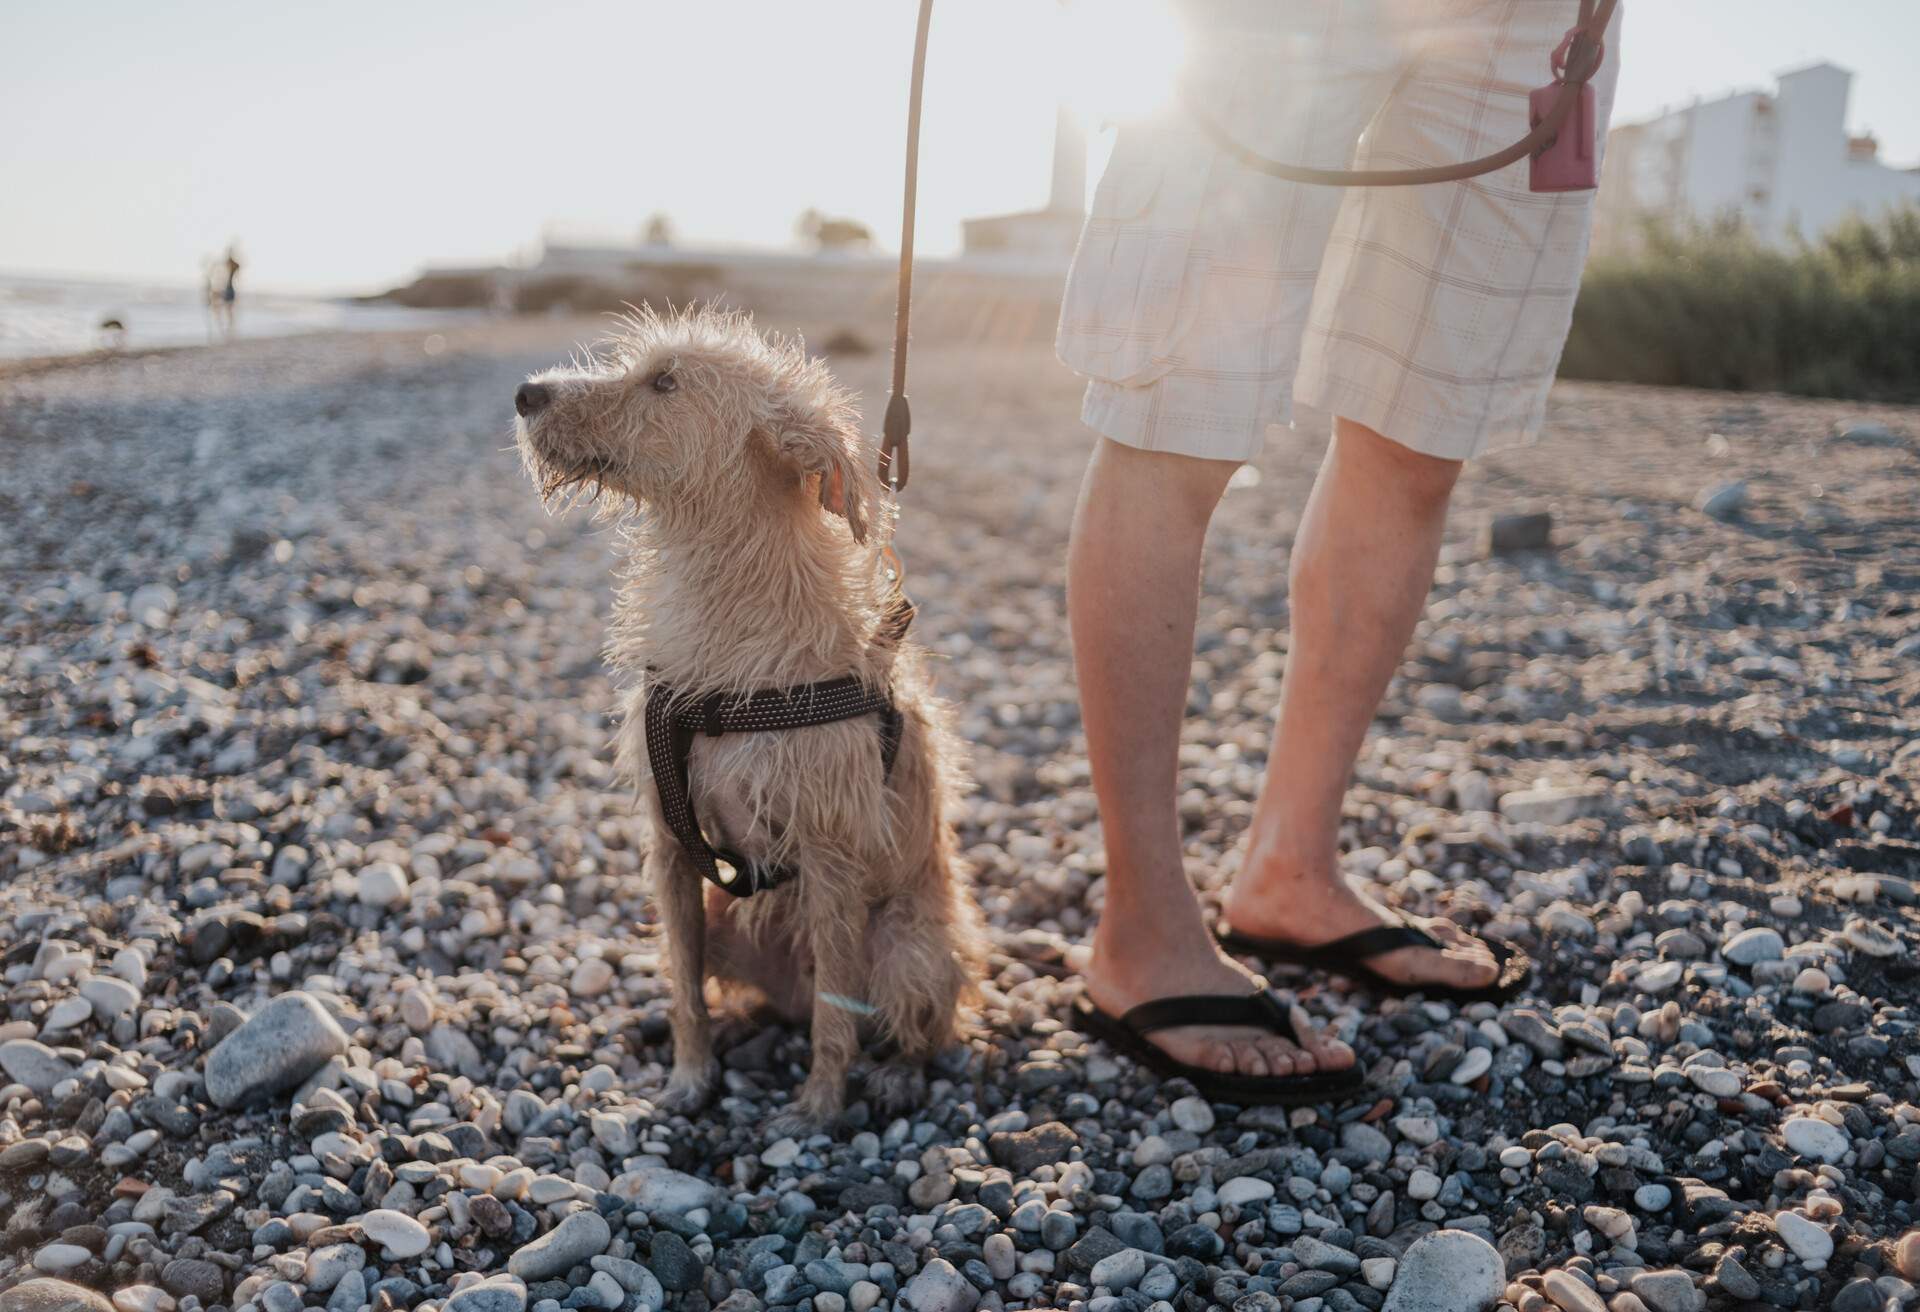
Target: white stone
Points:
(143, 1298)
(1447, 1271)
(34, 1064)
(1244, 1189)
(1659, 976)
(1118, 1271)
(591, 978)
(1570, 1293)
(382, 884)
(288, 1039)
(1194, 1115)
(1421, 1130)
(1423, 1185)
(65, 1014)
(780, 1153)
(130, 966)
(1378, 1271)
(1716, 1080)
(939, 1288)
(1476, 1063)
(110, 997)
(1552, 806)
(398, 1233)
(1809, 1136)
(1809, 1241)
(56, 1258)
(1751, 946)
(662, 1189)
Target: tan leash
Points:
(1574, 63)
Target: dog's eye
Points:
(665, 382)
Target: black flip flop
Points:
(1348, 956)
(1262, 1009)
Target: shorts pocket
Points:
(1133, 291)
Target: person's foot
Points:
(1265, 902)
(1120, 979)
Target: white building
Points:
(1044, 238)
(1783, 162)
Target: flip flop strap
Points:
(1366, 944)
(1262, 1009)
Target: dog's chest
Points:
(771, 796)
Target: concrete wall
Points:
(1808, 188)
(1719, 152)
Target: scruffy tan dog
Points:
(756, 563)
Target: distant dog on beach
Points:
(757, 564)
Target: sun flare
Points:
(1118, 59)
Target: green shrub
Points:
(1710, 305)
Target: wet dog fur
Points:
(754, 561)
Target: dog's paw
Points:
(896, 1087)
(794, 1123)
(688, 1090)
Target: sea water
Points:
(42, 316)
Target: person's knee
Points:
(1188, 486)
(1422, 479)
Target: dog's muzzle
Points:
(531, 399)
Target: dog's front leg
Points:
(677, 885)
(835, 920)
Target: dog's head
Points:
(702, 420)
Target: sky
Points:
(348, 145)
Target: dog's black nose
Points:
(531, 398)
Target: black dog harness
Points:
(672, 721)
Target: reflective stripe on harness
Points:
(673, 720)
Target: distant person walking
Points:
(1204, 299)
(222, 290)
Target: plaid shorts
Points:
(1205, 298)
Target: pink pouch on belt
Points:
(1567, 164)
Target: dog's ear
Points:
(822, 441)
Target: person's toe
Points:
(1323, 1050)
(1282, 1058)
(1248, 1059)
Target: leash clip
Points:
(1589, 49)
(896, 461)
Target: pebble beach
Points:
(328, 979)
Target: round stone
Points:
(382, 884)
(1809, 1240)
(47, 1295)
(579, 1236)
(1447, 1271)
(1476, 1063)
(1906, 1255)
(591, 977)
(1716, 1080)
(1244, 1189)
(1572, 1294)
(35, 1065)
(398, 1233)
(1194, 1115)
(56, 1259)
(1652, 1197)
(288, 1039)
(143, 1298)
(1751, 946)
(1809, 1136)
(110, 998)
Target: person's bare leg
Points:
(1362, 565)
(1133, 585)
